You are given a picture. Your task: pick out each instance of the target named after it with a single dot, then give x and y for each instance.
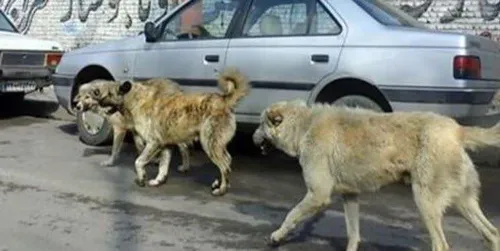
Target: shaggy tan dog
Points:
(350, 151)
(98, 88)
(163, 120)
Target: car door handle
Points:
(212, 58)
(320, 58)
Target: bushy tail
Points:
(234, 86)
(476, 137)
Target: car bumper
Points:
(467, 105)
(15, 79)
(63, 87)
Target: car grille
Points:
(22, 59)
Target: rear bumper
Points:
(463, 104)
(63, 87)
(16, 79)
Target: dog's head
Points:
(277, 123)
(101, 93)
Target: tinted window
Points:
(387, 14)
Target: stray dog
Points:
(350, 151)
(85, 102)
(163, 120)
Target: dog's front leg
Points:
(351, 210)
(144, 158)
(165, 157)
(118, 136)
(183, 148)
(310, 205)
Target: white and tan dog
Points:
(349, 151)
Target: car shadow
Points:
(33, 108)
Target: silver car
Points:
(350, 52)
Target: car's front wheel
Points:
(93, 129)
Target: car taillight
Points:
(467, 67)
(52, 59)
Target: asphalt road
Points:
(55, 196)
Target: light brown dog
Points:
(350, 151)
(85, 102)
(162, 120)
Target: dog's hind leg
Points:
(118, 136)
(467, 203)
(149, 152)
(165, 156)
(214, 137)
(351, 210)
(432, 205)
(184, 149)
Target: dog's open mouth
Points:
(266, 147)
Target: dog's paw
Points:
(154, 183)
(215, 184)
(140, 182)
(183, 168)
(272, 242)
(108, 162)
(219, 191)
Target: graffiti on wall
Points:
(23, 16)
(489, 11)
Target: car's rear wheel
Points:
(93, 129)
(358, 101)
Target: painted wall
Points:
(76, 23)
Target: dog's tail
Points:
(234, 86)
(476, 137)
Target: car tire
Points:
(94, 136)
(358, 101)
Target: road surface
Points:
(55, 196)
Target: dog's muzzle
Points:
(79, 107)
(260, 141)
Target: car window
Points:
(297, 17)
(387, 14)
(5, 25)
(202, 19)
(322, 23)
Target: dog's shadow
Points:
(200, 173)
(331, 229)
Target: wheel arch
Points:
(341, 87)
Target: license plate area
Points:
(18, 86)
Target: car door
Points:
(191, 46)
(285, 47)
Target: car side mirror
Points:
(150, 32)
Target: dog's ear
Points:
(275, 117)
(125, 87)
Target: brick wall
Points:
(77, 23)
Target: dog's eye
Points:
(96, 92)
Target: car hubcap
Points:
(92, 122)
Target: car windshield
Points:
(387, 14)
(5, 25)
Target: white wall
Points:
(45, 18)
